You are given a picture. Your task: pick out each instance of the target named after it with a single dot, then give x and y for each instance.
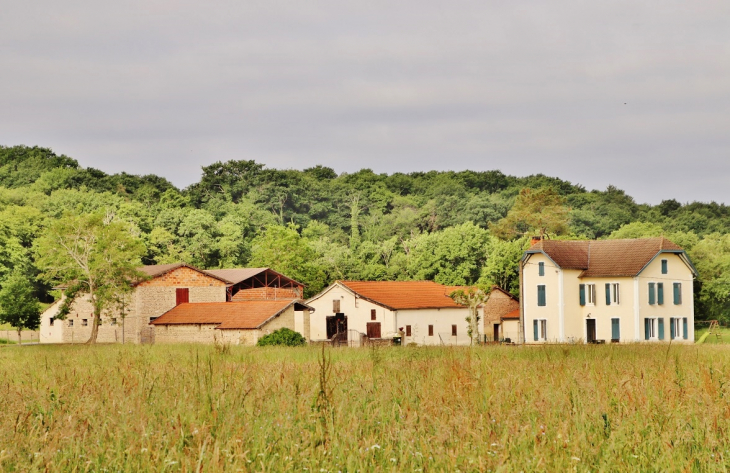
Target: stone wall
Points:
(498, 305)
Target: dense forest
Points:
(318, 226)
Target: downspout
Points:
(561, 308)
(637, 325)
(521, 327)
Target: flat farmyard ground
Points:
(193, 408)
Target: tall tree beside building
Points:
(93, 254)
(472, 297)
(536, 211)
(18, 305)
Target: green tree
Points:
(93, 255)
(284, 250)
(503, 264)
(18, 305)
(540, 212)
(472, 297)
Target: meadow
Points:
(200, 408)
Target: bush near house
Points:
(282, 337)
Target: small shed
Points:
(238, 323)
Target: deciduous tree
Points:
(93, 255)
(18, 305)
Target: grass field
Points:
(713, 339)
(193, 408)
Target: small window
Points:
(430, 330)
(71, 323)
(372, 314)
(541, 295)
(336, 306)
(51, 321)
(541, 268)
(650, 329)
(408, 330)
(114, 321)
(84, 322)
(677, 293)
(665, 268)
(453, 330)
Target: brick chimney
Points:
(535, 240)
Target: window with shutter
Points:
(684, 328)
(430, 330)
(677, 293)
(664, 267)
(660, 322)
(541, 268)
(372, 314)
(672, 328)
(582, 291)
(182, 295)
(336, 306)
(652, 299)
(615, 330)
(408, 330)
(541, 295)
(453, 330)
(660, 293)
(534, 329)
(608, 293)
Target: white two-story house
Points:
(609, 290)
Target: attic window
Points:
(51, 321)
(541, 268)
(665, 268)
(372, 314)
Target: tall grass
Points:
(193, 408)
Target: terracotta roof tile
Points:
(229, 315)
(405, 294)
(603, 258)
(515, 314)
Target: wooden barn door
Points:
(373, 329)
(182, 295)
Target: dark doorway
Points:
(496, 332)
(373, 329)
(336, 324)
(590, 330)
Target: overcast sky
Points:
(634, 94)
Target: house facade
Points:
(607, 291)
(377, 310)
(166, 287)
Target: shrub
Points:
(283, 336)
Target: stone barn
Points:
(237, 323)
(499, 312)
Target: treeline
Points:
(317, 225)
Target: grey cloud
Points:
(624, 93)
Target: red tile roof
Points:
(515, 314)
(404, 294)
(228, 315)
(604, 257)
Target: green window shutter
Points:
(615, 329)
(651, 294)
(541, 268)
(646, 329)
(534, 329)
(664, 266)
(660, 293)
(608, 294)
(541, 296)
(661, 328)
(684, 328)
(671, 328)
(677, 293)
(582, 289)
